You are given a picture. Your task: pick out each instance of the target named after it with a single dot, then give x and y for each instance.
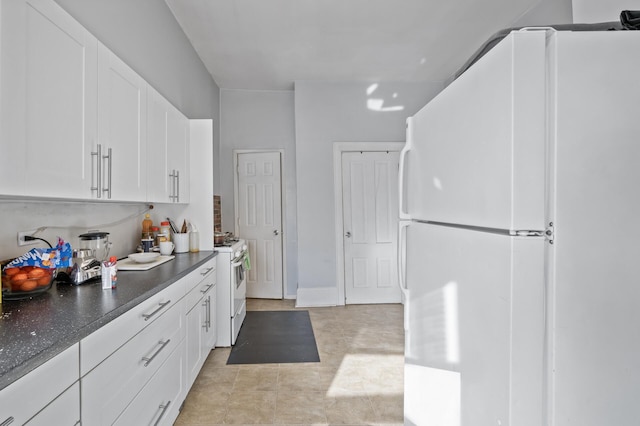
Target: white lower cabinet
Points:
(108, 389)
(64, 410)
(38, 393)
(136, 370)
(159, 401)
(200, 321)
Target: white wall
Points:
(587, 11)
(260, 120)
(339, 112)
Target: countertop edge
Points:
(74, 336)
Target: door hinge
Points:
(549, 233)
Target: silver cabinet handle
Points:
(147, 360)
(348, 234)
(177, 186)
(109, 158)
(206, 289)
(276, 232)
(208, 316)
(172, 191)
(205, 305)
(7, 422)
(164, 409)
(98, 187)
(205, 272)
(162, 305)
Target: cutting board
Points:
(127, 264)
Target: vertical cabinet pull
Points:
(177, 186)
(172, 192)
(162, 407)
(98, 186)
(109, 158)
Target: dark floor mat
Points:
(275, 337)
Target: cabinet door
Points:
(159, 402)
(22, 399)
(211, 330)
(178, 154)
(48, 101)
(194, 325)
(122, 107)
(64, 410)
(158, 180)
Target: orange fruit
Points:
(44, 281)
(11, 271)
(36, 273)
(29, 285)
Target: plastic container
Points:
(165, 229)
(155, 230)
(194, 241)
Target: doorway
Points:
(259, 220)
(366, 186)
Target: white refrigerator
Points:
(519, 240)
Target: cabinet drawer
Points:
(22, 399)
(64, 410)
(159, 402)
(204, 272)
(104, 341)
(110, 387)
(203, 287)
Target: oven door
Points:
(238, 296)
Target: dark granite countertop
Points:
(32, 331)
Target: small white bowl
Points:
(144, 257)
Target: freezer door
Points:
(595, 293)
(475, 328)
(476, 152)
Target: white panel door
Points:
(370, 197)
(48, 101)
(479, 146)
(122, 125)
(474, 349)
(260, 221)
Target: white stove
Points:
(231, 305)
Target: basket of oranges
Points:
(33, 273)
(25, 281)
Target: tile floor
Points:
(358, 381)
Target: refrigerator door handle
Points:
(405, 150)
(402, 225)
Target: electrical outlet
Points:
(22, 242)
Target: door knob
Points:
(348, 234)
(276, 232)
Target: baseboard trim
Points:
(316, 296)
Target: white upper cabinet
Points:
(122, 107)
(168, 151)
(178, 155)
(158, 180)
(48, 101)
(73, 116)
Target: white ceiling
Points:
(269, 44)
